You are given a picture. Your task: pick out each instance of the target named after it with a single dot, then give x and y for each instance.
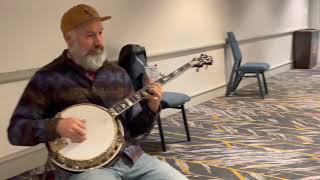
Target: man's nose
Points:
(98, 41)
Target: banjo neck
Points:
(140, 94)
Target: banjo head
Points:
(103, 140)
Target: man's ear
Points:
(67, 39)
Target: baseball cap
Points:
(78, 15)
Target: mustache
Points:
(97, 50)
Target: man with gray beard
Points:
(90, 60)
(82, 75)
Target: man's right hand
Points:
(72, 128)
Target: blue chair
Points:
(176, 101)
(246, 70)
(133, 59)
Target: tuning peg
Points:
(162, 75)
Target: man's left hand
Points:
(154, 96)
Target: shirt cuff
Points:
(52, 129)
(153, 113)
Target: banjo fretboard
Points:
(139, 95)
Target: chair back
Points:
(236, 52)
(237, 57)
(133, 59)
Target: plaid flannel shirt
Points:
(61, 84)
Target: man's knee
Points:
(158, 169)
(95, 174)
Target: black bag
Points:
(133, 59)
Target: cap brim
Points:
(105, 18)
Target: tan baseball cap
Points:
(78, 15)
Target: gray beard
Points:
(89, 62)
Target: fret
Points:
(117, 108)
(172, 75)
(132, 98)
(140, 93)
(112, 112)
(123, 105)
(137, 96)
(162, 80)
(128, 101)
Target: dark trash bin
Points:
(305, 48)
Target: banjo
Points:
(95, 151)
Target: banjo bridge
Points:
(59, 144)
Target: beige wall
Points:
(314, 18)
(314, 15)
(31, 38)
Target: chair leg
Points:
(163, 142)
(237, 81)
(260, 85)
(229, 86)
(231, 81)
(265, 83)
(185, 122)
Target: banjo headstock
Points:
(202, 60)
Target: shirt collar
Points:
(91, 75)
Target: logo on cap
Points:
(87, 12)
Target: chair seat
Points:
(254, 67)
(173, 99)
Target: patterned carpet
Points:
(243, 137)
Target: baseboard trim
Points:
(22, 161)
